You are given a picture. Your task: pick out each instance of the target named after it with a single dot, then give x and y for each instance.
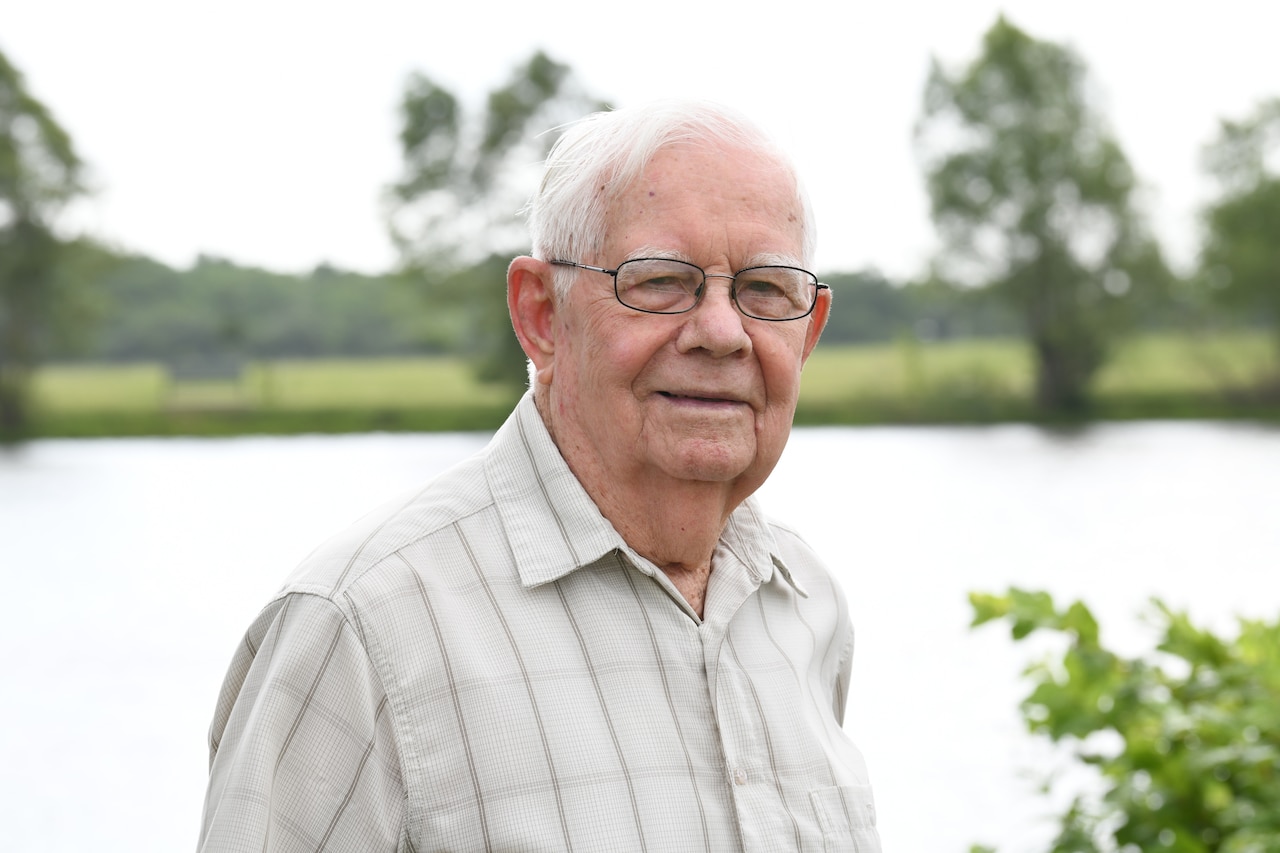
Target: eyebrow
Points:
(655, 252)
(764, 259)
(774, 259)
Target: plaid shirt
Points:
(486, 665)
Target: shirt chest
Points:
(593, 713)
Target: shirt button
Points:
(739, 777)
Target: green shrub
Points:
(1191, 759)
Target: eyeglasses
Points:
(662, 286)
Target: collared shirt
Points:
(486, 665)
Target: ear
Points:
(531, 301)
(817, 322)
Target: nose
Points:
(715, 324)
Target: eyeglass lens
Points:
(668, 287)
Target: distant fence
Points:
(206, 382)
(206, 368)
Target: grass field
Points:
(284, 385)
(962, 381)
(992, 380)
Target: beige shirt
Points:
(486, 665)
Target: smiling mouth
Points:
(697, 399)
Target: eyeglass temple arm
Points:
(583, 267)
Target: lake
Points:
(133, 566)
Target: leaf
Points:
(987, 607)
(1187, 757)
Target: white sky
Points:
(264, 130)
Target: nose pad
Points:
(711, 329)
(733, 302)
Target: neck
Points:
(676, 528)
(674, 523)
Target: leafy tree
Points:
(39, 173)
(452, 215)
(1034, 198)
(869, 308)
(466, 176)
(1186, 741)
(218, 313)
(1241, 255)
(488, 341)
(945, 311)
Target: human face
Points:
(704, 396)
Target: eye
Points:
(760, 287)
(770, 283)
(658, 285)
(667, 284)
(774, 293)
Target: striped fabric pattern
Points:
(486, 665)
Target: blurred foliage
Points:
(218, 312)
(490, 343)
(1029, 189)
(39, 173)
(1185, 741)
(868, 308)
(465, 175)
(1240, 263)
(452, 214)
(1034, 199)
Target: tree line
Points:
(1031, 194)
(215, 308)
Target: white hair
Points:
(600, 156)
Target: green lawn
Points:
(906, 381)
(285, 385)
(1173, 364)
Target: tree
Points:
(1241, 254)
(39, 173)
(452, 215)
(1186, 741)
(1034, 198)
(219, 313)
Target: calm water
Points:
(132, 566)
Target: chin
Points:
(711, 461)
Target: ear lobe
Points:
(817, 322)
(532, 305)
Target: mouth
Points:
(699, 398)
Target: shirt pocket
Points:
(847, 816)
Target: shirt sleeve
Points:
(303, 754)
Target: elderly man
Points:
(587, 637)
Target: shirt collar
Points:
(749, 535)
(555, 528)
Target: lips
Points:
(699, 398)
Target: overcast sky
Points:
(264, 130)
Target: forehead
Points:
(713, 203)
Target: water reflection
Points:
(133, 566)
